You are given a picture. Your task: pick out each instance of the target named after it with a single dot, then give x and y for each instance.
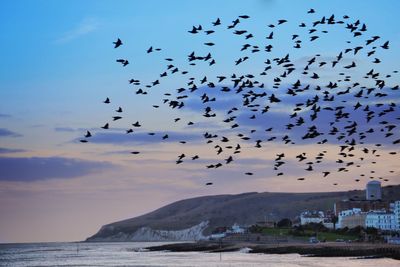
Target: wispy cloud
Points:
(6, 132)
(85, 27)
(42, 168)
(5, 115)
(4, 150)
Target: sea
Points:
(134, 254)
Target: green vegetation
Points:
(276, 231)
(306, 231)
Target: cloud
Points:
(4, 150)
(5, 115)
(86, 26)
(6, 132)
(43, 168)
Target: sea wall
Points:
(364, 250)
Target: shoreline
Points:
(329, 249)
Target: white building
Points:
(307, 217)
(396, 211)
(235, 229)
(373, 190)
(349, 215)
(381, 220)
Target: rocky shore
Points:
(363, 250)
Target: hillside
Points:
(192, 218)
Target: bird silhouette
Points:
(117, 43)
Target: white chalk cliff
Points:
(147, 234)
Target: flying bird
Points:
(117, 43)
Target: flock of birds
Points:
(338, 111)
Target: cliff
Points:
(192, 219)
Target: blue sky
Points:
(58, 65)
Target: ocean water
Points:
(132, 254)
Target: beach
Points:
(134, 254)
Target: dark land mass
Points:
(244, 209)
(361, 250)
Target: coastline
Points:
(329, 249)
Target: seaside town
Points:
(373, 219)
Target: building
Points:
(235, 229)
(373, 200)
(222, 232)
(364, 205)
(394, 240)
(396, 211)
(373, 191)
(307, 217)
(351, 218)
(329, 225)
(381, 220)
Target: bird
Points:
(281, 21)
(217, 22)
(117, 43)
(385, 45)
(124, 62)
(326, 173)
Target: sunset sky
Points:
(58, 65)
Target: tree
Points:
(335, 219)
(284, 223)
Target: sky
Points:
(59, 65)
